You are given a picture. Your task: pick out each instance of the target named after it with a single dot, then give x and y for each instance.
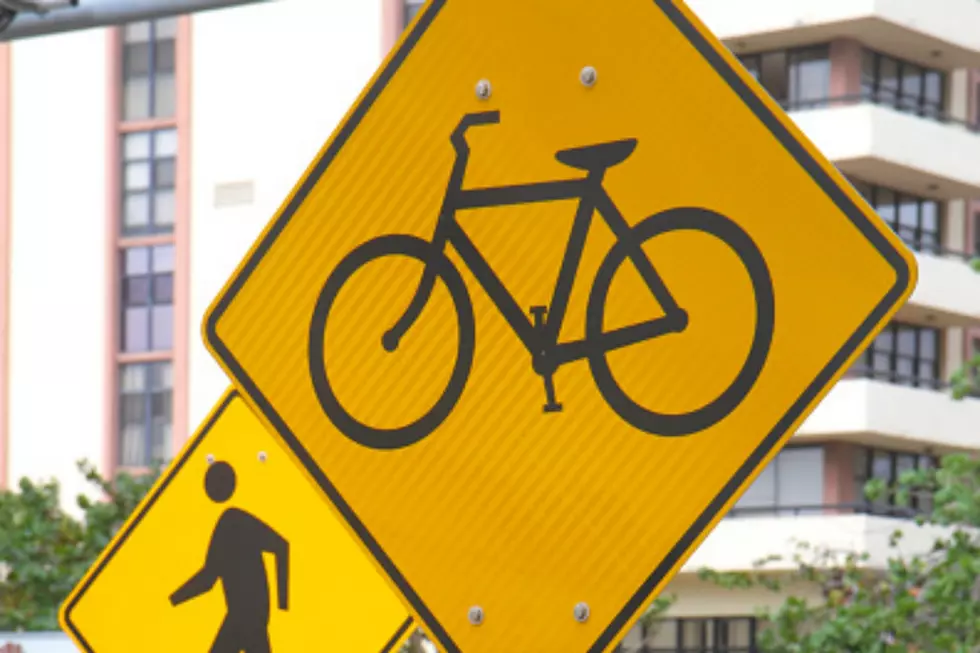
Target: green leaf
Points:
(46, 551)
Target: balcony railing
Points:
(825, 509)
(862, 371)
(919, 110)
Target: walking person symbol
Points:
(235, 557)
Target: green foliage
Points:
(923, 601)
(414, 643)
(966, 380)
(45, 551)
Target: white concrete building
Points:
(889, 90)
(138, 164)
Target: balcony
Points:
(883, 145)
(939, 35)
(735, 545)
(879, 413)
(946, 293)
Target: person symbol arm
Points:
(277, 545)
(198, 584)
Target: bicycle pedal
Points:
(553, 408)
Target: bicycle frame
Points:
(541, 341)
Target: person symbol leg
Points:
(225, 641)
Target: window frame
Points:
(919, 104)
(152, 75)
(976, 232)
(153, 188)
(711, 631)
(781, 66)
(148, 394)
(148, 100)
(795, 57)
(918, 503)
(151, 276)
(865, 366)
(778, 507)
(410, 9)
(873, 194)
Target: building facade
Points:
(890, 92)
(137, 165)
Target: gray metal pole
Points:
(102, 13)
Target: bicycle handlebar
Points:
(472, 120)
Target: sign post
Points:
(71, 16)
(560, 285)
(233, 549)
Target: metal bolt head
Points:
(476, 615)
(262, 457)
(588, 76)
(581, 612)
(483, 89)
(210, 458)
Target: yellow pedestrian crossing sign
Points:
(561, 284)
(233, 550)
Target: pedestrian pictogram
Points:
(563, 281)
(234, 557)
(233, 550)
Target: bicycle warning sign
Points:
(563, 281)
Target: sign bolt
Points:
(210, 458)
(581, 612)
(262, 456)
(483, 89)
(588, 76)
(476, 615)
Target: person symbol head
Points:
(219, 482)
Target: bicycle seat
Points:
(597, 157)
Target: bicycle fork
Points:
(547, 372)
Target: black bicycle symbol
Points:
(541, 337)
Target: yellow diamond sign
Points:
(233, 549)
(561, 283)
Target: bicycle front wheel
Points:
(390, 397)
(705, 222)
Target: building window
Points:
(888, 467)
(916, 220)
(149, 179)
(798, 78)
(149, 68)
(717, 635)
(147, 298)
(974, 370)
(976, 109)
(809, 77)
(792, 483)
(976, 233)
(411, 9)
(903, 354)
(903, 85)
(145, 413)
(753, 64)
(144, 285)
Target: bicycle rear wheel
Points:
(724, 229)
(322, 349)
